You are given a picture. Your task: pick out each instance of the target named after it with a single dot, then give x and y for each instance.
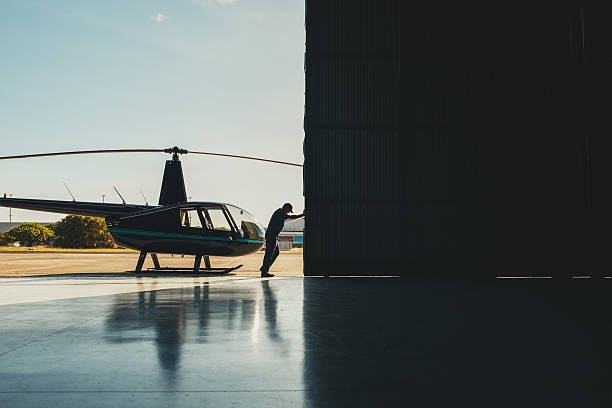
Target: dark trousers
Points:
(271, 253)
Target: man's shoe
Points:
(266, 275)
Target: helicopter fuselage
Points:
(190, 229)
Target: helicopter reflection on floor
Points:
(202, 315)
(310, 342)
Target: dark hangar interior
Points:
(456, 139)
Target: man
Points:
(276, 224)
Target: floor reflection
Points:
(203, 315)
(400, 342)
(270, 306)
(316, 343)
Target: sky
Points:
(206, 75)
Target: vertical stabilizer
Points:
(173, 184)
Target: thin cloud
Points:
(159, 18)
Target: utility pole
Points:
(10, 212)
(103, 195)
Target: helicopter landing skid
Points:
(196, 265)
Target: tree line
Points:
(72, 231)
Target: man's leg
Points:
(266, 264)
(276, 252)
(265, 273)
(269, 255)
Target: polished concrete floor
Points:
(187, 342)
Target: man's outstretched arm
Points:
(295, 217)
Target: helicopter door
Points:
(218, 221)
(191, 219)
(205, 223)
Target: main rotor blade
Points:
(25, 156)
(247, 157)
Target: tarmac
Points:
(77, 330)
(15, 264)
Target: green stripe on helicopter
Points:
(171, 235)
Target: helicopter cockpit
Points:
(222, 221)
(247, 225)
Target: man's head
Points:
(287, 208)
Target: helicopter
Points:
(174, 226)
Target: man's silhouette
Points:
(276, 224)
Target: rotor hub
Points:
(175, 152)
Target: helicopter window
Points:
(249, 227)
(217, 219)
(190, 218)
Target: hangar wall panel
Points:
(441, 138)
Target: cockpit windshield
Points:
(248, 226)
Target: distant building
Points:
(292, 234)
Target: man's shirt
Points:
(277, 222)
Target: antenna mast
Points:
(145, 198)
(69, 192)
(119, 195)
